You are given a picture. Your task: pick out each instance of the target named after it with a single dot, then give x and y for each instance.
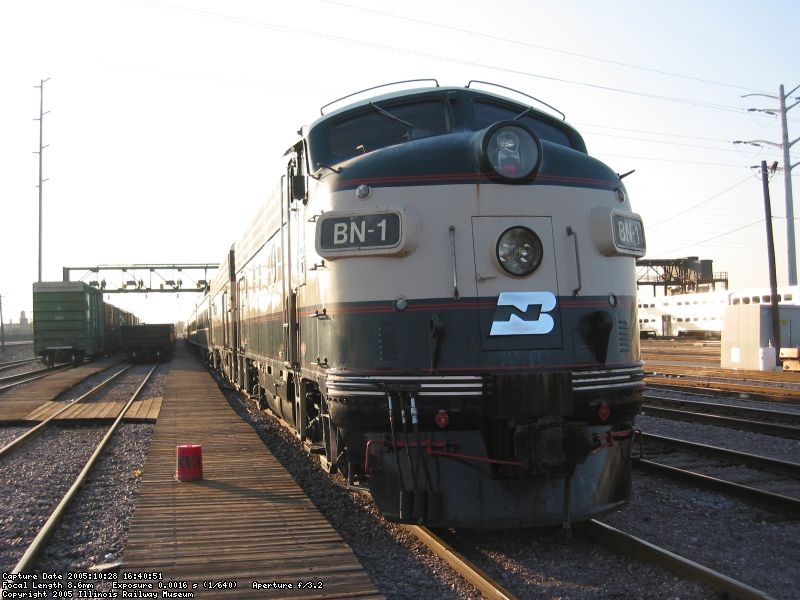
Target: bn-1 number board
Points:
(629, 233)
(376, 230)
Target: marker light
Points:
(519, 251)
(512, 151)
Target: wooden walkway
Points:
(247, 521)
(141, 411)
(18, 403)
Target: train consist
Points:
(71, 321)
(439, 297)
(700, 315)
(150, 342)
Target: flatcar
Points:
(439, 297)
(148, 342)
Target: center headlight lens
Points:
(512, 152)
(519, 251)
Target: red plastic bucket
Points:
(190, 462)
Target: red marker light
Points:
(442, 418)
(604, 412)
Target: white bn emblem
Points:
(522, 301)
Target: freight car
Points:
(72, 322)
(439, 296)
(115, 320)
(68, 321)
(151, 342)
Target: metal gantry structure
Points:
(678, 275)
(170, 278)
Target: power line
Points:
(717, 195)
(691, 137)
(668, 160)
(539, 47)
(340, 39)
(716, 236)
(622, 137)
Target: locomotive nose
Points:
(515, 264)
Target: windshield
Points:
(487, 113)
(387, 125)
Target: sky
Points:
(167, 119)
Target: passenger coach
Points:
(438, 295)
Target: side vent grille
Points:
(624, 336)
(388, 346)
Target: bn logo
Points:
(523, 313)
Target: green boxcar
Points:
(68, 321)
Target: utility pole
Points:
(773, 278)
(786, 146)
(2, 330)
(42, 113)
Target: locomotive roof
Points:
(437, 91)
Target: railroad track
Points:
(20, 378)
(17, 363)
(787, 377)
(28, 558)
(617, 540)
(768, 422)
(486, 585)
(67, 406)
(784, 470)
(703, 391)
(681, 566)
(743, 390)
(652, 357)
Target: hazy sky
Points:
(168, 118)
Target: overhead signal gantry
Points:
(138, 278)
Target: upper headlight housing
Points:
(511, 151)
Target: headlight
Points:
(511, 150)
(519, 251)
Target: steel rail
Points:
(654, 358)
(17, 363)
(747, 392)
(31, 432)
(756, 392)
(485, 584)
(26, 562)
(771, 465)
(19, 379)
(775, 429)
(714, 392)
(725, 374)
(681, 566)
(728, 410)
(778, 502)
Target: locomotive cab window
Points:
(487, 113)
(381, 126)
